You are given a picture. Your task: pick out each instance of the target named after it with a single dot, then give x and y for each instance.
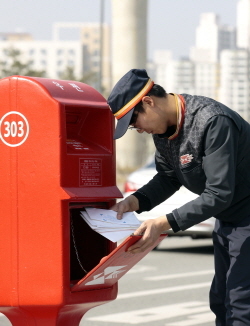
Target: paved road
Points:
(168, 287)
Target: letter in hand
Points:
(151, 230)
(129, 204)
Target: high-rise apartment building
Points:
(51, 57)
(96, 50)
(180, 77)
(243, 24)
(207, 78)
(219, 64)
(206, 39)
(235, 79)
(234, 84)
(175, 76)
(162, 62)
(82, 55)
(15, 37)
(211, 38)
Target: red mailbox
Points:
(57, 157)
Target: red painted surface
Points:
(57, 156)
(112, 267)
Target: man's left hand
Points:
(151, 230)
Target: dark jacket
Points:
(210, 157)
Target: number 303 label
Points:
(14, 129)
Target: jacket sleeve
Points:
(163, 185)
(219, 163)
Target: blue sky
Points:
(171, 23)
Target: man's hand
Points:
(151, 230)
(129, 204)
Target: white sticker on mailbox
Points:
(14, 129)
(90, 172)
(109, 273)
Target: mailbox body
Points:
(57, 156)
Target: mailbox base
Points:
(47, 316)
(32, 316)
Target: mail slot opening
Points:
(81, 127)
(87, 247)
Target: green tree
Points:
(14, 66)
(89, 78)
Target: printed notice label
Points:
(90, 172)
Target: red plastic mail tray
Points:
(112, 267)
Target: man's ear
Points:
(147, 100)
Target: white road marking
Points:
(196, 310)
(163, 290)
(199, 319)
(179, 275)
(141, 269)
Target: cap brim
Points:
(122, 125)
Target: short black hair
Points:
(157, 91)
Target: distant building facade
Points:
(54, 57)
(51, 56)
(211, 38)
(243, 24)
(95, 41)
(219, 63)
(234, 81)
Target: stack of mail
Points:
(104, 221)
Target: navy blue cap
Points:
(128, 92)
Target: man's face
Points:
(152, 120)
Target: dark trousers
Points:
(230, 290)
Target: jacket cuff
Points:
(171, 220)
(144, 202)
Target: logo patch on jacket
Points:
(185, 159)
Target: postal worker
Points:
(204, 146)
